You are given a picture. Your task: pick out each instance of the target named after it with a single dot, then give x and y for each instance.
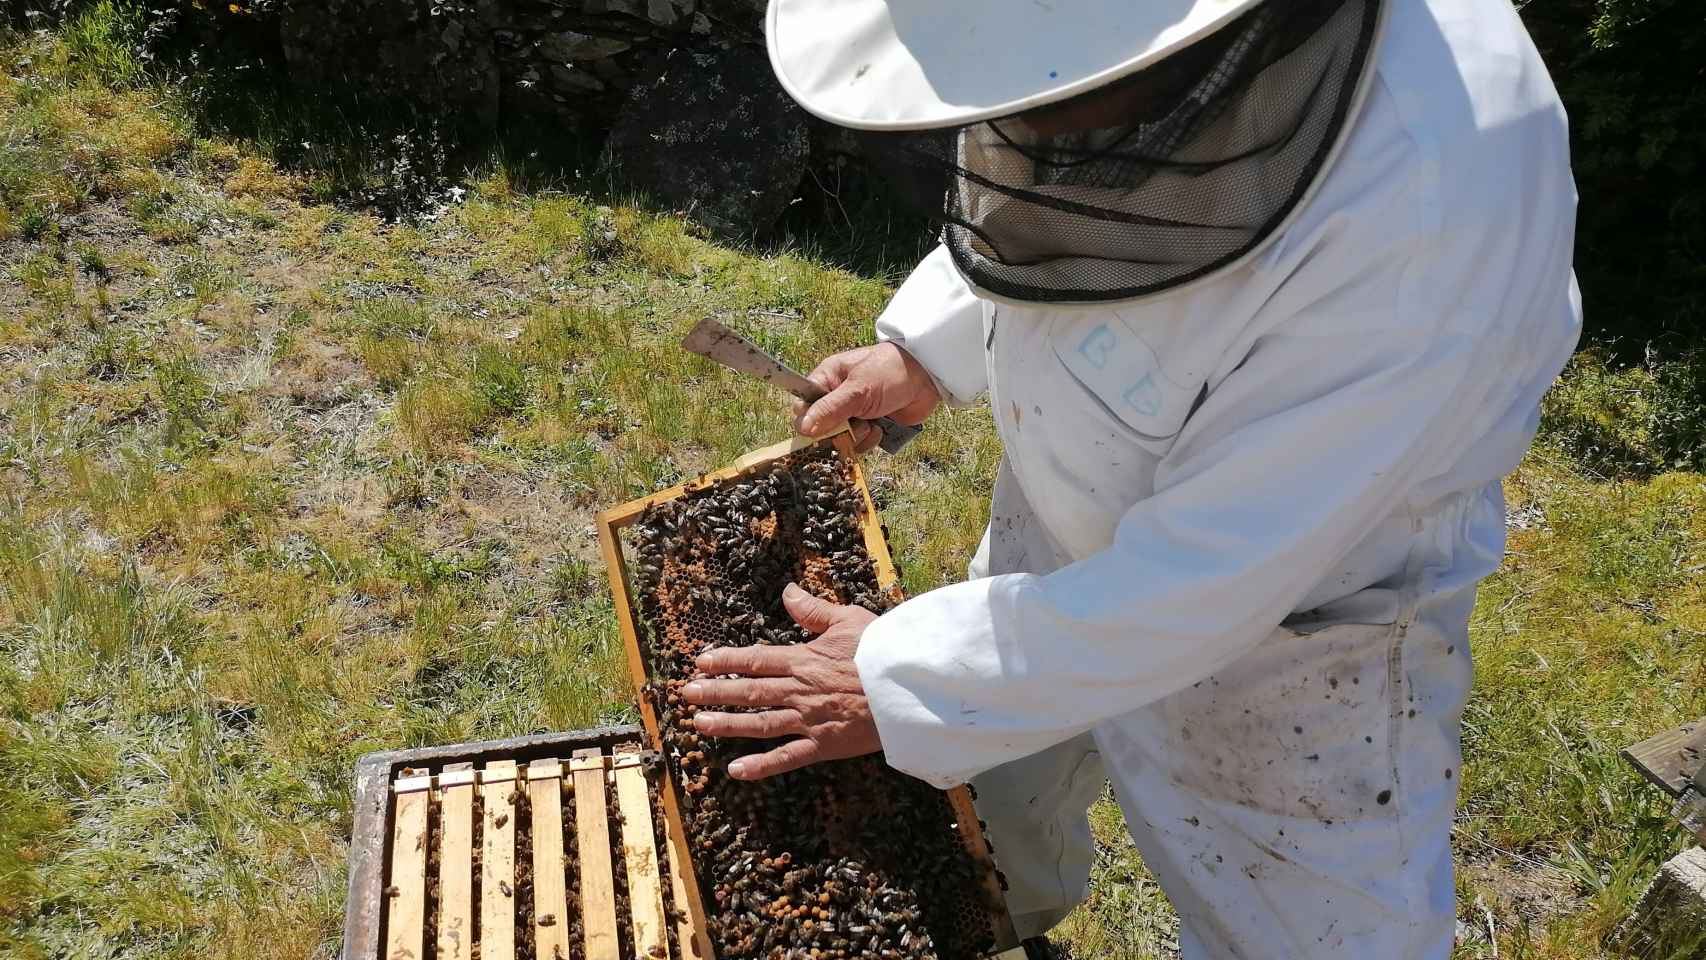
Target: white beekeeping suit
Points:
(1238, 528)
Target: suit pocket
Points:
(1122, 372)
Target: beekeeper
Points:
(1264, 296)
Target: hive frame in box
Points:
(371, 834)
(610, 524)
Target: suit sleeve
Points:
(1285, 467)
(937, 319)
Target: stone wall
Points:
(501, 60)
(683, 87)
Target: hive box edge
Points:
(368, 835)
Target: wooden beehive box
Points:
(983, 896)
(566, 846)
(536, 848)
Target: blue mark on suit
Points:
(1144, 396)
(1097, 345)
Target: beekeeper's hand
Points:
(810, 691)
(865, 383)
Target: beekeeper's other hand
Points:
(865, 383)
(809, 691)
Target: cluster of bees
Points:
(523, 890)
(525, 905)
(839, 860)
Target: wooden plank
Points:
(550, 893)
(1671, 759)
(616, 568)
(456, 862)
(624, 514)
(592, 841)
(869, 523)
(497, 861)
(639, 849)
(692, 932)
(405, 911)
(370, 835)
(694, 944)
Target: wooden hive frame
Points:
(612, 522)
(395, 858)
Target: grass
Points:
(283, 482)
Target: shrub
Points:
(1630, 421)
(1630, 74)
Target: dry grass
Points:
(281, 483)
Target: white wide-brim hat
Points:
(928, 64)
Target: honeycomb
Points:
(841, 859)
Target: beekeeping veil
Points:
(1087, 150)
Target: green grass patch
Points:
(1630, 421)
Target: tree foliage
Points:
(1633, 75)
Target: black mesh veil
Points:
(1155, 180)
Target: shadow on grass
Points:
(402, 161)
(354, 149)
